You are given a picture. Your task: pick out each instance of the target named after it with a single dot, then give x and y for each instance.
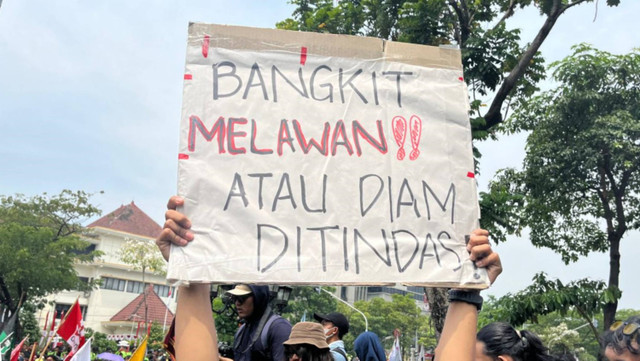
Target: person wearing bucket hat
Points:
(307, 342)
(335, 326)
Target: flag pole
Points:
(33, 351)
(57, 328)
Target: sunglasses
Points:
(290, 350)
(628, 329)
(240, 299)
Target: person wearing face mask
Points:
(335, 326)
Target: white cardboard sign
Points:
(323, 159)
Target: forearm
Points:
(196, 338)
(457, 342)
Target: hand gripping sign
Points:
(312, 158)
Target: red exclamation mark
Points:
(399, 126)
(416, 131)
(205, 46)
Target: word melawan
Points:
(230, 131)
(226, 75)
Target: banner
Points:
(312, 158)
(140, 352)
(84, 353)
(15, 353)
(72, 329)
(6, 332)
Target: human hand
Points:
(176, 228)
(482, 255)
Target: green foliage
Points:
(493, 58)
(581, 177)
(385, 316)
(156, 336)
(100, 342)
(226, 323)
(29, 323)
(308, 300)
(40, 242)
(545, 296)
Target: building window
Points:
(82, 281)
(162, 290)
(61, 310)
(116, 284)
(135, 286)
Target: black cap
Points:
(338, 319)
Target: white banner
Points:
(322, 159)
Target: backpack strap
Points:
(265, 331)
(342, 352)
(266, 316)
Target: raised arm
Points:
(195, 332)
(196, 337)
(458, 339)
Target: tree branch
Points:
(507, 14)
(462, 12)
(7, 295)
(591, 325)
(494, 114)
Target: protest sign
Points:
(312, 158)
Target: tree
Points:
(29, 323)
(497, 68)
(385, 316)
(584, 297)
(100, 342)
(143, 255)
(580, 182)
(492, 57)
(307, 300)
(40, 242)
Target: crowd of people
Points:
(268, 337)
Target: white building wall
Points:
(102, 304)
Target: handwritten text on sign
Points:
(301, 168)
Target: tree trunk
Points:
(438, 299)
(614, 279)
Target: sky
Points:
(90, 99)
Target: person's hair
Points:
(307, 352)
(500, 338)
(619, 341)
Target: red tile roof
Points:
(129, 219)
(134, 311)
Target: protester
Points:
(335, 326)
(307, 342)
(196, 338)
(498, 340)
(622, 341)
(368, 347)
(252, 305)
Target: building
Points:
(366, 293)
(117, 306)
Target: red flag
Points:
(16, 351)
(72, 329)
